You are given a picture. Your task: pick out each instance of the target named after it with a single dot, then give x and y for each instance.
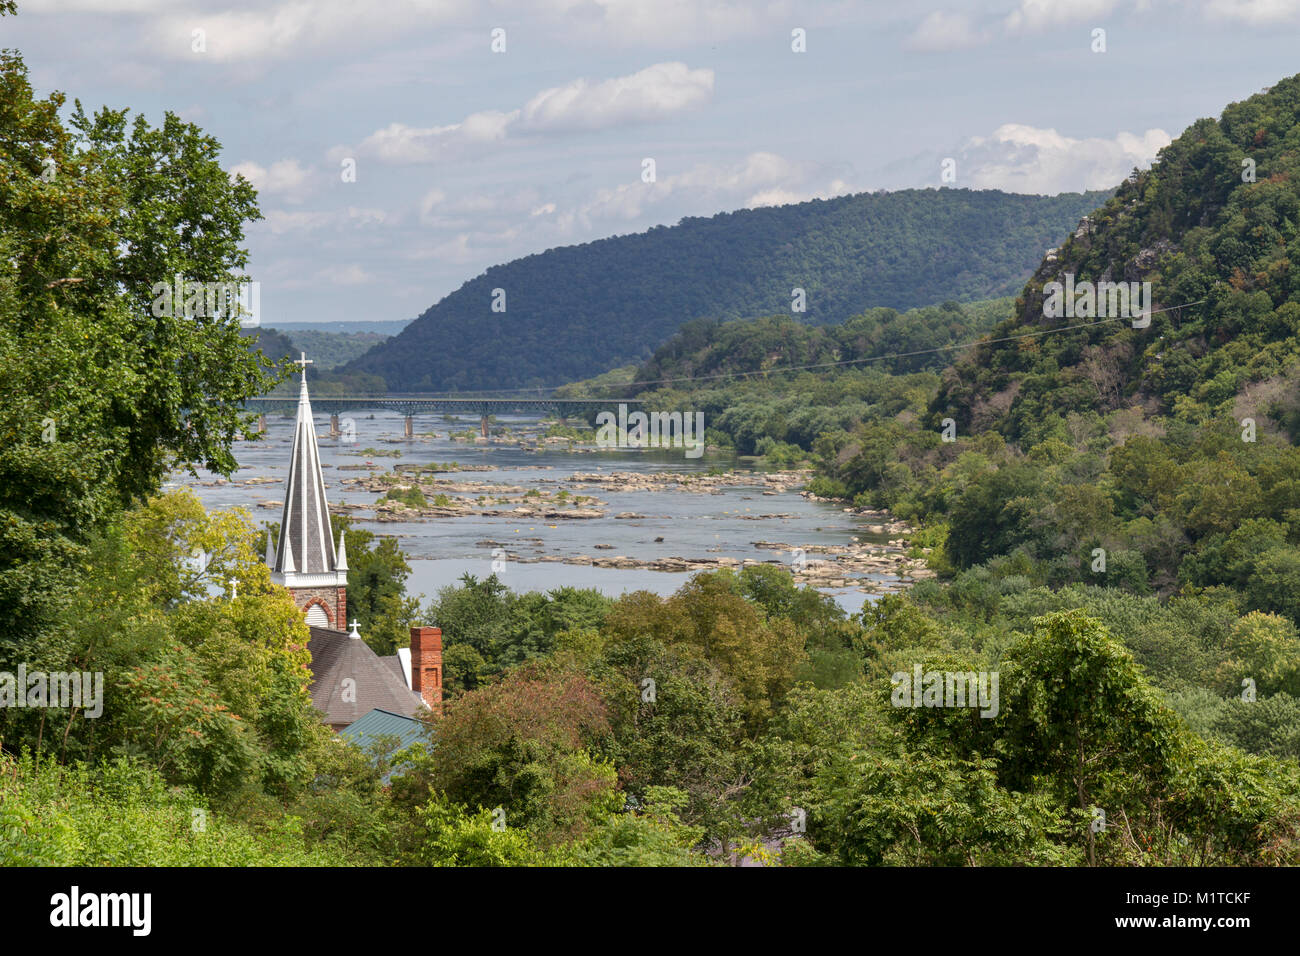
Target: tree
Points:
(1264, 649)
(673, 722)
(206, 663)
(1078, 710)
(996, 513)
(101, 398)
(707, 618)
(377, 599)
(521, 744)
(871, 799)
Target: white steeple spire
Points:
(305, 556)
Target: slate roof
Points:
(395, 663)
(336, 657)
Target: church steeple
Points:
(305, 560)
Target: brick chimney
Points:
(426, 665)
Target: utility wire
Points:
(538, 390)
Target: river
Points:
(671, 523)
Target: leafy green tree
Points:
(521, 744)
(377, 599)
(655, 837)
(456, 836)
(1265, 649)
(674, 721)
(1079, 711)
(996, 513)
(1267, 725)
(101, 398)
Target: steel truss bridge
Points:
(412, 405)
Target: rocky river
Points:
(544, 513)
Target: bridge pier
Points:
(483, 426)
(410, 426)
(334, 426)
(261, 424)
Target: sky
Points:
(401, 147)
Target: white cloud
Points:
(778, 196)
(351, 274)
(1041, 14)
(94, 6)
(942, 31)
(654, 93)
(774, 197)
(285, 30)
(194, 113)
(476, 248)
(476, 230)
(637, 22)
(399, 144)
(285, 178)
(249, 30)
(1026, 159)
(360, 217)
(436, 209)
(282, 222)
(1255, 12)
(760, 179)
(651, 94)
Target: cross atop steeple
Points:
(305, 560)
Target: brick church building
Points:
(348, 678)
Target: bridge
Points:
(412, 404)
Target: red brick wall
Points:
(426, 665)
(333, 600)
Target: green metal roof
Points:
(384, 723)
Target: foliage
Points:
(100, 397)
(121, 813)
(520, 744)
(631, 293)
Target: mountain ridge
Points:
(626, 295)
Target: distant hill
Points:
(272, 343)
(327, 350)
(384, 327)
(331, 349)
(576, 311)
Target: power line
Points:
(858, 361)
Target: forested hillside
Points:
(1171, 447)
(1211, 227)
(736, 373)
(580, 310)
